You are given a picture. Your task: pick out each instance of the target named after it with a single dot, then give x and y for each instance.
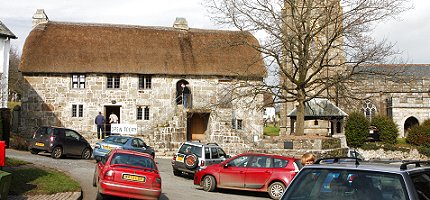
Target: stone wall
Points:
(50, 98)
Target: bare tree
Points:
(15, 76)
(313, 46)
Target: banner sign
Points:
(123, 129)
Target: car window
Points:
(207, 153)
(214, 153)
(261, 162)
(71, 135)
(221, 153)
(279, 163)
(133, 160)
(42, 131)
(191, 149)
(241, 161)
(135, 143)
(116, 140)
(329, 184)
(422, 184)
(141, 143)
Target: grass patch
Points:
(12, 162)
(28, 179)
(271, 130)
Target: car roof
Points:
(265, 154)
(201, 144)
(131, 152)
(356, 164)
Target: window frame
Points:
(145, 82)
(77, 110)
(80, 84)
(113, 81)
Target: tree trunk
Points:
(300, 120)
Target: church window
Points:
(113, 81)
(369, 110)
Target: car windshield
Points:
(116, 140)
(133, 160)
(191, 149)
(329, 184)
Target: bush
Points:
(18, 142)
(387, 129)
(356, 129)
(419, 135)
(424, 150)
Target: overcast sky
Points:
(410, 31)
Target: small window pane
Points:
(146, 116)
(139, 113)
(74, 110)
(81, 110)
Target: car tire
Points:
(276, 190)
(177, 172)
(34, 151)
(57, 152)
(209, 183)
(86, 154)
(191, 161)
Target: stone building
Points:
(5, 36)
(75, 70)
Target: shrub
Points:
(370, 146)
(419, 135)
(356, 129)
(424, 150)
(387, 128)
(18, 142)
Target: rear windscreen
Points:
(329, 184)
(116, 140)
(133, 160)
(190, 149)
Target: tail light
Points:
(174, 158)
(52, 138)
(97, 146)
(157, 183)
(202, 163)
(109, 175)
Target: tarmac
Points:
(57, 196)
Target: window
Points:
(139, 113)
(146, 113)
(145, 81)
(113, 81)
(369, 110)
(143, 113)
(77, 110)
(237, 124)
(78, 81)
(261, 162)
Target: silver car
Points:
(193, 156)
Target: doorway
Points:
(108, 111)
(197, 124)
(409, 123)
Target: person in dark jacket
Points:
(100, 122)
(185, 95)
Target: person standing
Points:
(185, 95)
(100, 121)
(113, 119)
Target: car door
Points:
(233, 173)
(258, 172)
(137, 145)
(73, 144)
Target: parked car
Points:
(194, 156)
(59, 141)
(350, 178)
(121, 142)
(250, 171)
(128, 174)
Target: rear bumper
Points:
(44, 148)
(115, 189)
(98, 152)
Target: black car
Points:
(350, 179)
(59, 141)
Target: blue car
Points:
(121, 142)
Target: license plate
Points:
(107, 147)
(40, 144)
(130, 177)
(180, 159)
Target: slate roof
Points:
(415, 70)
(319, 108)
(63, 47)
(5, 32)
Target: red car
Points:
(250, 171)
(129, 174)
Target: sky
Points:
(409, 31)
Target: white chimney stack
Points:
(181, 23)
(39, 17)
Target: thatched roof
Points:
(60, 47)
(319, 108)
(5, 32)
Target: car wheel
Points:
(57, 152)
(209, 183)
(276, 190)
(177, 172)
(86, 154)
(34, 151)
(191, 161)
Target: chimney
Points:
(181, 23)
(39, 17)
